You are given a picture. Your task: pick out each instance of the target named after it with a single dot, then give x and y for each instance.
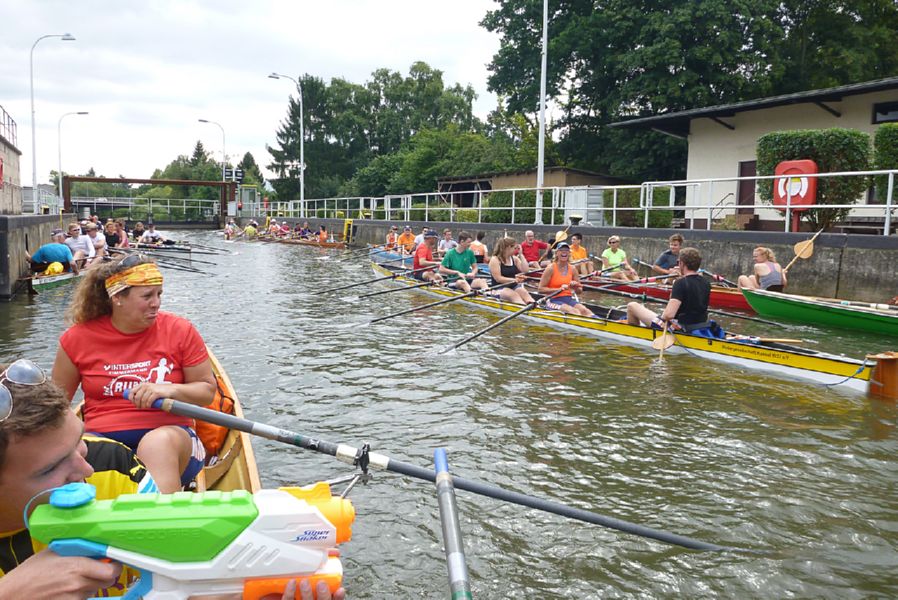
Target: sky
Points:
(147, 71)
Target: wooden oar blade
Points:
(804, 249)
(664, 341)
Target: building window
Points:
(885, 112)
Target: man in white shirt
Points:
(97, 240)
(81, 246)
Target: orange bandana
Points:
(139, 275)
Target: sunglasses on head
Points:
(21, 372)
(131, 260)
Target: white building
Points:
(723, 139)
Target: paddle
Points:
(363, 458)
(559, 237)
(397, 289)
(384, 278)
(717, 277)
(803, 250)
(665, 340)
(874, 306)
(513, 315)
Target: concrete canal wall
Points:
(16, 233)
(849, 266)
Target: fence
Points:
(155, 210)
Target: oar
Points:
(717, 277)
(559, 237)
(751, 338)
(513, 315)
(803, 250)
(356, 253)
(167, 257)
(362, 457)
(874, 306)
(384, 278)
(397, 289)
(665, 341)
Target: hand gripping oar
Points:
(384, 278)
(357, 457)
(506, 319)
(803, 250)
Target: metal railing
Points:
(156, 210)
(8, 127)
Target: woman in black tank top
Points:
(508, 265)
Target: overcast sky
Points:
(146, 71)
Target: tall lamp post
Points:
(302, 158)
(59, 144)
(224, 157)
(35, 196)
(541, 152)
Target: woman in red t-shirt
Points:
(120, 340)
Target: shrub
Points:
(833, 150)
(466, 215)
(525, 208)
(339, 215)
(629, 198)
(885, 156)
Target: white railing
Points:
(167, 210)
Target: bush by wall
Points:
(885, 156)
(833, 150)
(629, 198)
(525, 208)
(466, 215)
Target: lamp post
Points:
(541, 152)
(302, 158)
(224, 157)
(59, 145)
(35, 197)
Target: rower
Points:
(97, 239)
(80, 245)
(305, 232)
(767, 273)
(322, 234)
(406, 241)
(137, 232)
(615, 258)
(666, 264)
(54, 252)
(531, 248)
(391, 238)
(508, 266)
(687, 309)
(561, 275)
(580, 256)
(231, 229)
(151, 236)
(423, 257)
(460, 264)
(481, 252)
(447, 243)
(419, 239)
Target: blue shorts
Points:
(557, 302)
(132, 437)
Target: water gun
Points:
(197, 544)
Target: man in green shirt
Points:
(460, 264)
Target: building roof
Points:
(482, 176)
(677, 123)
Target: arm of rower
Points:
(65, 373)
(670, 311)
(784, 278)
(198, 388)
(496, 272)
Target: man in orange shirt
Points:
(580, 253)
(406, 241)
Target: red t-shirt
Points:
(422, 252)
(111, 362)
(532, 251)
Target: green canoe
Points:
(845, 314)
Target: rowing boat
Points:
(233, 465)
(315, 243)
(721, 297)
(831, 312)
(772, 357)
(38, 283)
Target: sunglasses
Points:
(21, 372)
(131, 260)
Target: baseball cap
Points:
(408, 228)
(56, 232)
(562, 246)
(431, 234)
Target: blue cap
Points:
(431, 233)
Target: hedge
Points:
(833, 150)
(885, 156)
(416, 213)
(629, 198)
(525, 204)
(466, 215)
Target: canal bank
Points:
(849, 266)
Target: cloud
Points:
(147, 71)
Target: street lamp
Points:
(66, 37)
(541, 152)
(59, 144)
(224, 157)
(302, 159)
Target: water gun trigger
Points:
(88, 549)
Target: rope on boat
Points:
(860, 370)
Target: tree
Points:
(252, 175)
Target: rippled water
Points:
(802, 474)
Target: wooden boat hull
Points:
(721, 297)
(773, 358)
(313, 243)
(234, 466)
(823, 312)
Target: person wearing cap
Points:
(532, 249)
(459, 265)
(615, 258)
(687, 308)
(392, 236)
(406, 241)
(561, 277)
(447, 243)
(423, 257)
(54, 252)
(121, 341)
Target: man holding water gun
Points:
(43, 446)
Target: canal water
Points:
(800, 475)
